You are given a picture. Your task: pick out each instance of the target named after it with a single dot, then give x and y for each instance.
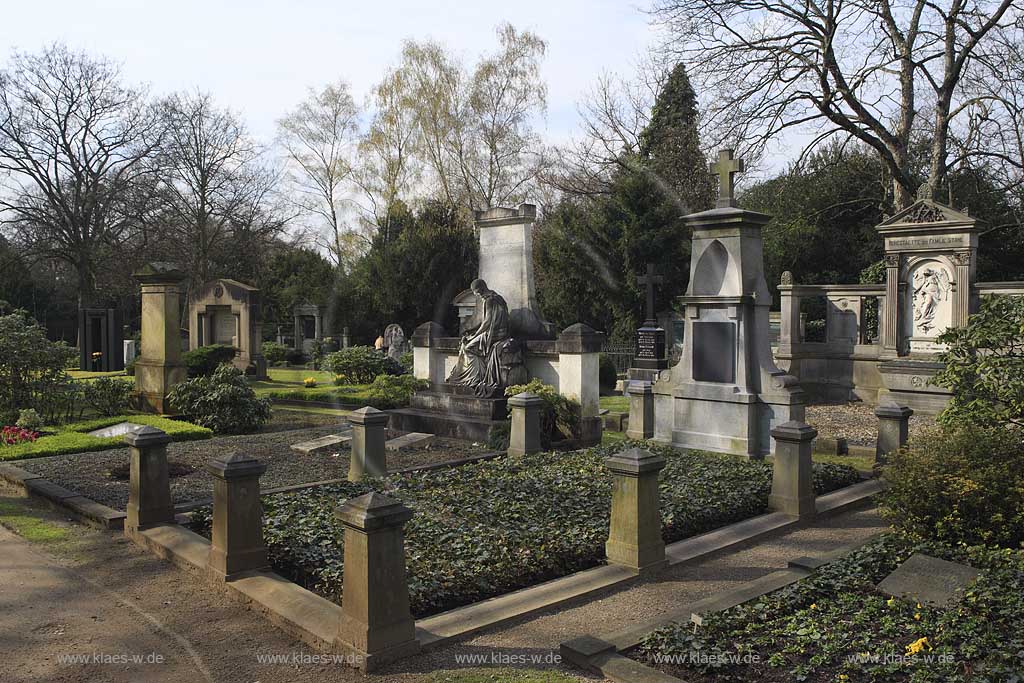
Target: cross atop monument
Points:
(726, 168)
(650, 280)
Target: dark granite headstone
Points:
(650, 348)
(929, 580)
(714, 352)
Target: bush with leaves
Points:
(108, 396)
(29, 419)
(31, 366)
(958, 485)
(203, 361)
(608, 376)
(406, 361)
(359, 365)
(394, 391)
(274, 353)
(223, 402)
(985, 366)
(561, 417)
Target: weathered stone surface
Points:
(159, 366)
(641, 411)
(410, 440)
(120, 429)
(893, 429)
(792, 477)
(634, 537)
(324, 443)
(149, 497)
(524, 437)
(928, 579)
(369, 433)
(237, 531)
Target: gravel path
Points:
(856, 422)
(101, 476)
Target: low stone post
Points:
(376, 623)
(427, 359)
(579, 350)
(893, 429)
(792, 478)
(525, 436)
(641, 411)
(149, 500)
(369, 434)
(634, 539)
(237, 541)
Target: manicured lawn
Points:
(861, 463)
(616, 404)
(296, 375)
(609, 437)
(72, 438)
(834, 626)
(18, 518)
(85, 374)
(488, 528)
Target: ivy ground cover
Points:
(833, 626)
(488, 528)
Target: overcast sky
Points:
(259, 57)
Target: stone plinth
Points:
(525, 435)
(149, 499)
(160, 366)
(641, 411)
(893, 429)
(376, 624)
(634, 538)
(237, 541)
(369, 436)
(579, 351)
(792, 476)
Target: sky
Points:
(260, 57)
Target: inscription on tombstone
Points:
(650, 345)
(224, 328)
(928, 579)
(713, 352)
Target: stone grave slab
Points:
(929, 580)
(324, 443)
(120, 429)
(410, 440)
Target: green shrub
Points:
(274, 353)
(223, 402)
(31, 366)
(295, 357)
(202, 362)
(985, 365)
(960, 485)
(108, 396)
(561, 417)
(608, 376)
(358, 365)
(406, 362)
(29, 419)
(394, 391)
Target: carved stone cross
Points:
(650, 280)
(726, 168)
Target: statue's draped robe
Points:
(479, 363)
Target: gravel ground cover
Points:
(101, 476)
(856, 422)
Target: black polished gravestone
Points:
(650, 338)
(100, 340)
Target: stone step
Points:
(324, 443)
(458, 404)
(443, 424)
(410, 440)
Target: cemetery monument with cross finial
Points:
(725, 393)
(650, 357)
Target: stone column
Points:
(237, 542)
(579, 349)
(369, 433)
(160, 366)
(792, 480)
(889, 329)
(525, 435)
(149, 499)
(427, 360)
(962, 289)
(634, 539)
(789, 308)
(376, 623)
(641, 411)
(893, 429)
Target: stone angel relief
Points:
(931, 286)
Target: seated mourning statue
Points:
(489, 357)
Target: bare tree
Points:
(318, 137)
(873, 70)
(73, 143)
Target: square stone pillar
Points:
(159, 367)
(792, 477)
(376, 623)
(789, 308)
(641, 411)
(149, 499)
(634, 539)
(525, 435)
(237, 542)
(369, 434)
(427, 360)
(579, 349)
(893, 429)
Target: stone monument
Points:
(394, 342)
(100, 340)
(726, 394)
(930, 257)
(650, 358)
(160, 366)
(228, 312)
(309, 326)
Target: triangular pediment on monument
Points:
(928, 211)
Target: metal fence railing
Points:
(621, 355)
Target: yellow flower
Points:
(918, 645)
(917, 617)
(814, 605)
(843, 677)
(891, 602)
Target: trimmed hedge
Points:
(488, 528)
(202, 362)
(73, 438)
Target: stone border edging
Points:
(81, 508)
(602, 655)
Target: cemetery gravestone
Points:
(159, 367)
(228, 312)
(929, 580)
(100, 340)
